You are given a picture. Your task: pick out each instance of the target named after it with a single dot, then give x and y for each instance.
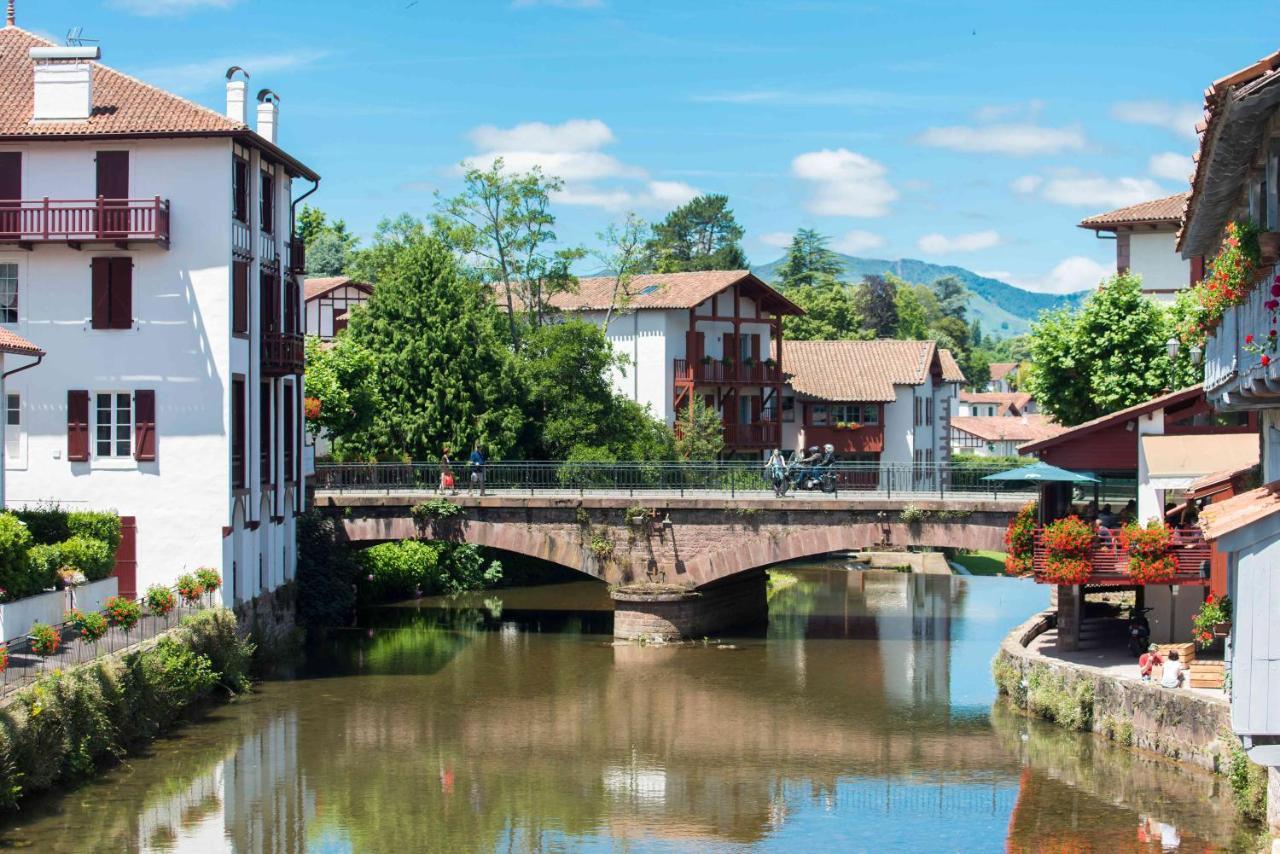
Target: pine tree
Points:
(809, 263)
(699, 235)
(878, 303)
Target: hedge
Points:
(69, 724)
(402, 569)
(54, 538)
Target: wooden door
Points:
(10, 194)
(113, 189)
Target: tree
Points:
(1108, 355)
(700, 432)
(624, 255)
(953, 298)
(504, 222)
(877, 302)
(913, 324)
(809, 263)
(390, 239)
(440, 370)
(328, 243)
(340, 381)
(699, 235)
(830, 313)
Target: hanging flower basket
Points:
(1221, 630)
(1148, 547)
(1068, 546)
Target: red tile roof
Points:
(1164, 401)
(1166, 210)
(1000, 370)
(862, 370)
(1009, 401)
(670, 290)
(123, 106)
(11, 342)
(998, 428)
(1240, 511)
(318, 286)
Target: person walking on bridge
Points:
(446, 472)
(476, 466)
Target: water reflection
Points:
(861, 721)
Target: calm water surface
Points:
(862, 721)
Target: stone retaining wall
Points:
(670, 615)
(1178, 724)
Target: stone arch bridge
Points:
(676, 555)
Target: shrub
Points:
(122, 613)
(399, 570)
(91, 556)
(465, 568)
(212, 634)
(45, 560)
(189, 588)
(48, 525)
(1020, 541)
(96, 525)
(1148, 546)
(1248, 780)
(160, 600)
(1068, 545)
(45, 639)
(4, 657)
(15, 564)
(91, 626)
(913, 515)
(436, 508)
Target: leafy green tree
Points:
(504, 222)
(701, 234)
(1108, 355)
(624, 255)
(913, 324)
(329, 244)
(831, 313)
(340, 380)
(701, 432)
(809, 263)
(441, 372)
(390, 239)
(953, 298)
(878, 304)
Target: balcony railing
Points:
(74, 221)
(717, 372)
(241, 242)
(1110, 558)
(1234, 377)
(865, 439)
(267, 252)
(763, 434)
(283, 353)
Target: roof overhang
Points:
(1178, 461)
(1132, 413)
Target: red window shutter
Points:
(144, 429)
(240, 297)
(78, 426)
(1197, 269)
(289, 438)
(101, 293)
(121, 293)
(238, 433)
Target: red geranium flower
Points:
(1248, 339)
(1266, 360)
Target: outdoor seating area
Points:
(1109, 556)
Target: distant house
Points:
(998, 435)
(1146, 236)
(996, 404)
(329, 300)
(1004, 375)
(879, 401)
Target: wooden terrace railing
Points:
(81, 220)
(716, 372)
(1110, 559)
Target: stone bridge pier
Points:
(677, 567)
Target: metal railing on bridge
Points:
(887, 480)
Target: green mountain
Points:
(1005, 310)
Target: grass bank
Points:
(61, 731)
(980, 562)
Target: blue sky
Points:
(974, 133)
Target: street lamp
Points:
(1171, 347)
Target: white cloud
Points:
(208, 73)
(158, 8)
(776, 239)
(571, 151)
(995, 112)
(1069, 275)
(855, 242)
(1021, 140)
(1027, 184)
(1170, 165)
(941, 244)
(1178, 118)
(1086, 191)
(845, 183)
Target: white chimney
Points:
(268, 115)
(237, 95)
(63, 83)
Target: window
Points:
(112, 297)
(8, 293)
(928, 410)
(290, 416)
(817, 414)
(13, 427)
(113, 424)
(267, 201)
(240, 297)
(788, 409)
(237, 433)
(240, 189)
(855, 413)
(266, 435)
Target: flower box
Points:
(1221, 630)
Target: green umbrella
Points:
(1042, 473)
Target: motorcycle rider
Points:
(806, 466)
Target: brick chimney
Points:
(63, 83)
(268, 115)
(237, 95)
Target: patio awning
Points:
(1176, 462)
(1042, 473)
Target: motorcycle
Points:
(1139, 631)
(810, 478)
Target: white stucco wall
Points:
(899, 427)
(322, 310)
(1153, 256)
(180, 346)
(1150, 500)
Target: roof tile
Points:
(1000, 428)
(1240, 511)
(662, 291)
(11, 342)
(862, 370)
(1169, 209)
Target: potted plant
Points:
(4, 657)
(1020, 541)
(840, 425)
(706, 360)
(190, 588)
(90, 626)
(122, 613)
(44, 639)
(209, 579)
(160, 600)
(1068, 545)
(1213, 620)
(1148, 547)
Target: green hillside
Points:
(1005, 310)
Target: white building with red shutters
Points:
(145, 242)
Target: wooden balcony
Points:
(74, 222)
(867, 439)
(283, 353)
(716, 372)
(761, 435)
(1111, 560)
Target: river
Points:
(863, 720)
